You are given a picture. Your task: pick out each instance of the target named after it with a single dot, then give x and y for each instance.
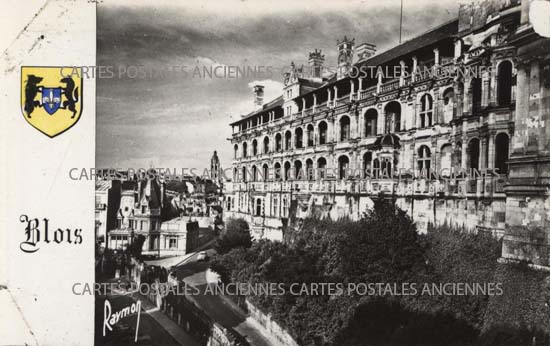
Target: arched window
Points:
(278, 142)
(309, 169)
(426, 110)
(236, 151)
(266, 145)
(476, 94)
(321, 167)
(448, 105)
(386, 168)
(310, 136)
(298, 172)
(371, 120)
(254, 147)
(393, 117)
(299, 137)
(245, 149)
(288, 140)
(504, 83)
(344, 128)
(343, 167)
(287, 171)
(235, 174)
(244, 173)
(367, 165)
(502, 147)
(473, 153)
(254, 173)
(277, 171)
(265, 172)
(446, 160)
(424, 161)
(376, 168)
(322, 132)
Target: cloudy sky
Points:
(178, 119)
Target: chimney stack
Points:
(365, 51)
(346, 48)
(258, 96)
(316, 60)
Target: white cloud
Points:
(272, 90)
(539, 16)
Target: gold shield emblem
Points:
(51, 98)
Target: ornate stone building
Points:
(461, 138)
(140, 213)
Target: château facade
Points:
(481, 133)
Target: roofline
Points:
(387, 50)
(259, 111)
(355, 64)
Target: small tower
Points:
(215, 167)
(345, 55)
(316, 60)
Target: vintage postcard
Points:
(289, 173)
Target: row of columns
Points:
(332, 93)
(249, 122)
(486, 159)
(358, 123)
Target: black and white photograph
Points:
(291, 173)
(351, 173)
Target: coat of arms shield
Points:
(51, 98)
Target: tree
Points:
(236, 225)
(236, 234)
(136, 246)
(382, 247)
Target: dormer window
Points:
(289, 94)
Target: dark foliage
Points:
(236, 234)
(521, 315)
(382, 247)
(387, 321)
(134, 249)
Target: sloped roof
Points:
(432, 36)
(446, 30)
(150, 189)
(102, 185)
(310, 83)
(390, 139)
(277, 102)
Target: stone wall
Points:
(221, 336)
(271, 327)
(527, 235)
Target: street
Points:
(196, 273)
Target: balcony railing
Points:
(389, 86)
(403, 187)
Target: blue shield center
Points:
(51, 99)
